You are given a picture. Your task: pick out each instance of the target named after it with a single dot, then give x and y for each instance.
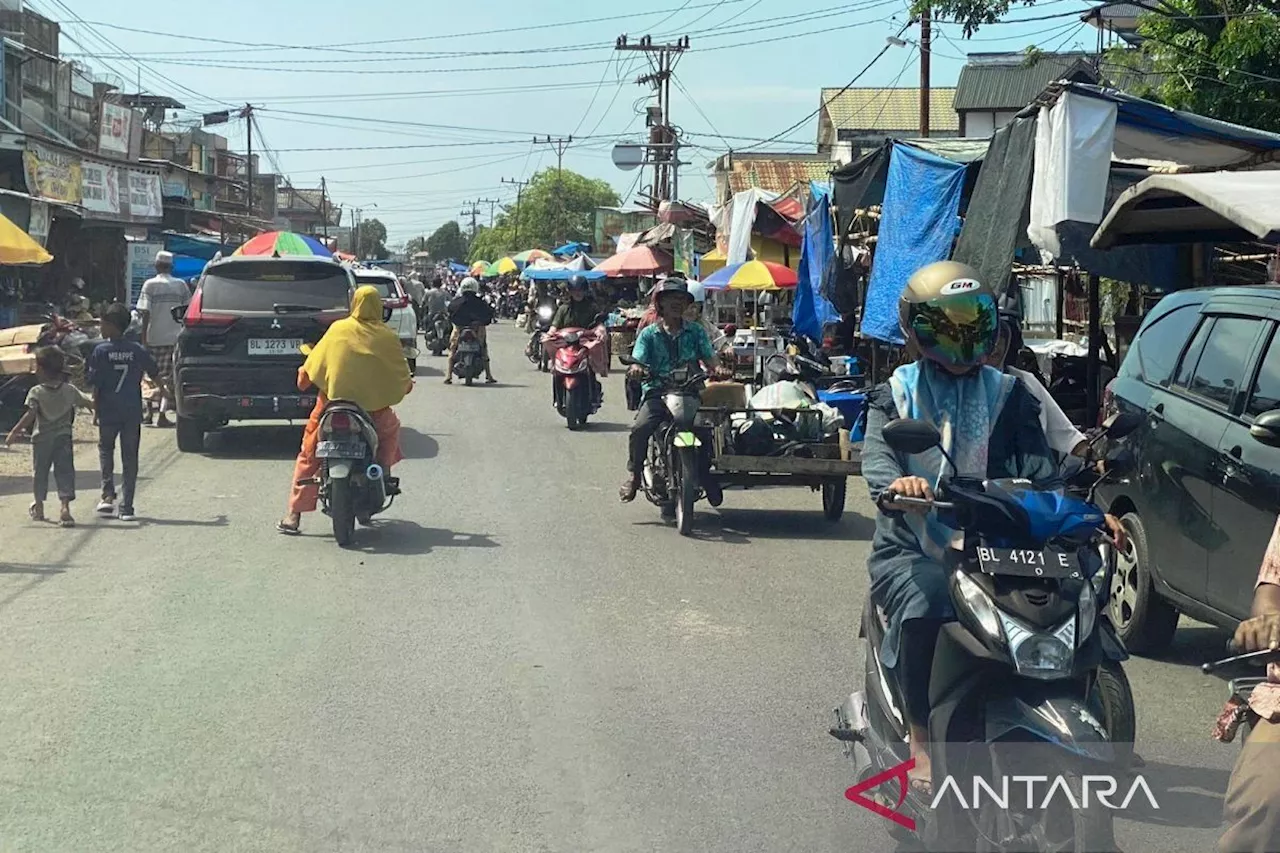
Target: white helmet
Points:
(469, 285)
(698, 291)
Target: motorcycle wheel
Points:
(1056, 830)
(575, 408)
(686, 489)
(1118, 713)
(470, 380)
(833, 497)
(342, 511)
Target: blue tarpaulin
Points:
(571, 248)
(185, 266)
(194, 246)
(459, 268)
(560, 275)
(812, 311)
(921, 208)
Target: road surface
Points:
(510, 661)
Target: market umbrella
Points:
(284, 243)
(636, 261)
(502, 266)
(17, 247)
(479, 267)
(531, 255)
(752, 275)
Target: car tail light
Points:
(339, 422)
(397, 302)
(196, 316)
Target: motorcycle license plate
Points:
(468, 346)
(1031, 563)
(341, 449)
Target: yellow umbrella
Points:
(506, 265)
(17, 247)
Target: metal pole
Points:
(324, 209)
(248, 112)
(1095, 347)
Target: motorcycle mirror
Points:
(1266, 428)
(911, 436)
(1121, 424)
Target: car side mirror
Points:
(386, 314)
(911, 436)
(178, 313)
(1120, 461)
(1122, 423)
(1266, 428)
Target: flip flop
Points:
(35, 512)
(289, 529)
(491, 381)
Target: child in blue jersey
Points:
(115, 374)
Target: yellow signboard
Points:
(52, 174)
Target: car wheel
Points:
(190, 435)
(1143, 619)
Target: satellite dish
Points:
(628, 157)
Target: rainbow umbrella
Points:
(478, 268)
(283, 243)
(502, 266)
(752, 275)
(530, 255)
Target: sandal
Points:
(36, 511)
(491, 381)
(65, 520)
(288, 529)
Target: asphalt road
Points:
(510, 661)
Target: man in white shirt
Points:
(160, 295)
(1064, 438)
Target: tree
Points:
(371, 239)
(1212, 57)
(447, 242)
(554, 208)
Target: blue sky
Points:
(412, 74)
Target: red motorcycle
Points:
(578, 358)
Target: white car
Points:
(404, 322)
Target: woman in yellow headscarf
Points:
(359, 359)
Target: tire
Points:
(342, 511)
(833, 497)
(1118, 712)
(686, 492)
(1144, 620)
(190, 435)
(575, 408)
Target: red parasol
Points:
(636, 261)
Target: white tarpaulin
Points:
(742, 220)
(1205, 206)
(1074, 139)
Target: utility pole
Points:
(324, 209)
(493, 203)
(247, 115)
(560, 146)
(926, 38)
(473, 211)
(664, 145)
(519, 185)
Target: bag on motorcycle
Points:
(755, 437)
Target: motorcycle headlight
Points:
(545, 313)
(1088, 612)
(570, 337)
(980, 605)
(1040, 655)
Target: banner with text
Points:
(51, 173)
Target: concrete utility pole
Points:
(662, 135)
(247, 115)
(926, 39)
(473, 211)
(493, 204)
(324, 209)
(519, 185)
(560, 146)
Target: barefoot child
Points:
(116, 368)
(51, 405)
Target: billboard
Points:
(113, 130)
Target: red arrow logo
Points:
(855, 794)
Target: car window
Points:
(253, 287)
(1187, 367)
(1220, 370)
(1157, 349)
(387, 288)
(1265, 394)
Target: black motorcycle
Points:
(1015, 686)
(534, 350)
(353, 486)
(436, 334)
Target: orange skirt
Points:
(303, 498)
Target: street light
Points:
(894, 41)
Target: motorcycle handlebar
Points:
(1247, 657)
(892, 498)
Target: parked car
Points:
(1202, 503)
(238, 354)
(403, 319)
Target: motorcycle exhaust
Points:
(374, 472)
(377, 485)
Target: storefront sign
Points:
(144, 196)
(113, 136)
(52, 174)
(100, 187)
(140, 265)
(175, 189)
(38, 224)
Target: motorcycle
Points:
(576, 391)
(534, 350)
(1018, 672)
(353, 487)
(468, 360)
(674, 462)
(436, 334)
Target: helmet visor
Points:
(959, 330)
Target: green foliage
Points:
(448, 242)
(371, 239)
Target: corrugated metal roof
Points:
(775, 175)
(1012, 81)
(881, 109)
